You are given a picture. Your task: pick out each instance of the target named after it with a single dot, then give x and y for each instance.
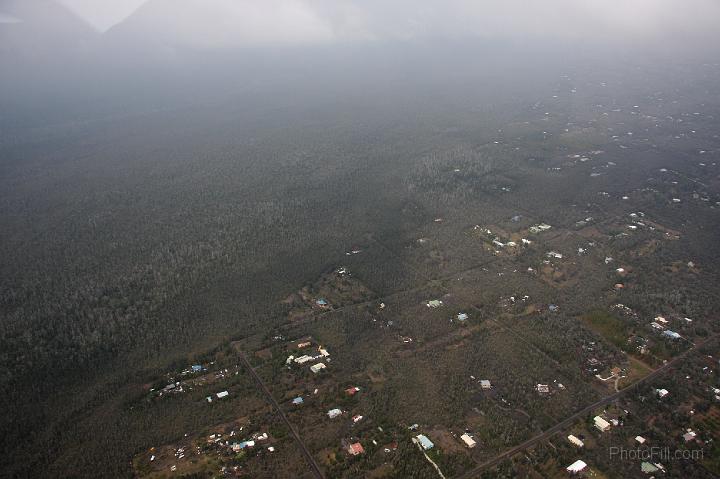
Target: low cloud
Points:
(212, 23)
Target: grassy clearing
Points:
(610, 327)
(636, 371)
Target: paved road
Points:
(578, 415)
(306, 452)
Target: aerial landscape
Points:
(315, 239)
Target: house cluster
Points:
(252, 442)
(535, 229)
(219, 395)
(545, 389)
(660, 324)
(322, 354)
(229, 441)
(496, 241)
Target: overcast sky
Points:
(222, 22)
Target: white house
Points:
(601, 424)
(575, 441)
(576, 467)
(469, 441)
(316, 368)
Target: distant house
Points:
(538, 228)
(601, 424)
(689, 435)
(303, 359)
(543, 388)
(434, 303)
(222, 394)
(333, 413)
(321, 302)
(355, 449)
(662, 392)
(462, 316)
(648, 468)
(424, 442)
(196, 368)
(575, 441)
(640, 440)
(316, 368)
(297, 401)
(485, 384)
(469, 441)
(357, 418)
(576, 467)
(671, 334)
(351, 391)
(304, 344)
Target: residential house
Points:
(424, 442)
(601, 424)
(576, 467)
(469, 441)
(355, 449)
(671, 334)
(575, 441)
(316, 368)
(648, 468)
